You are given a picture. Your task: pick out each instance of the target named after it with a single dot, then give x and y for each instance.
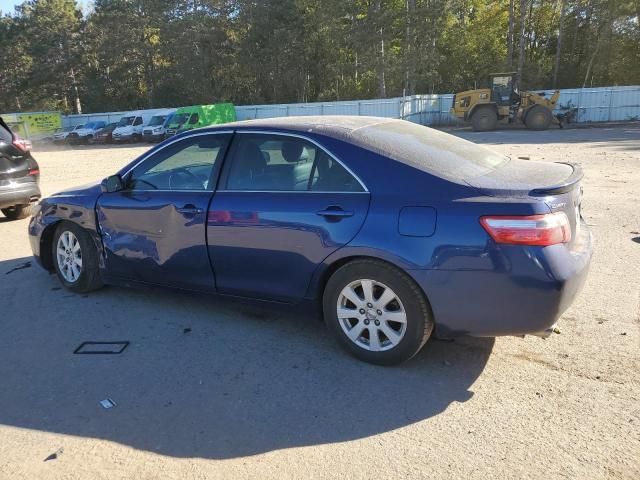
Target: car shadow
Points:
(204, 377)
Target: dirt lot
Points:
(251, 393)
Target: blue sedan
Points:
(395, 230)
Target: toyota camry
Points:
(395, 230)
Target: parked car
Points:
(19, 175)
(198, 116)
(104, 134)
(85, 134)
(157, 128)
(395, 229)
(61, 135)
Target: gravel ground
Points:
(254, 393)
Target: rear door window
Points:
(279, 163)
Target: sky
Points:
(7, 6)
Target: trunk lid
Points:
(559, 185)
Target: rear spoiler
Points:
(566, 186)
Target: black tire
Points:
(419, 319)
(89, 278)
(538, 118)
(484, 119)
(18, 212)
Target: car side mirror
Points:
(112, 184)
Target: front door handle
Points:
(334, 211)
(190, 209)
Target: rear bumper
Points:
(21, 194)
(524, 291)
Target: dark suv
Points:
(19, 175)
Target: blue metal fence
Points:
(604, 104)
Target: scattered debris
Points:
(55, 289)
(54, 455)
(186, 330)
(22, 266)
(447, 363)
(623, 333)
(524, 157)
(107, 403)
(101, 348)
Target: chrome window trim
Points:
(310, 140)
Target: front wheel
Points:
(377, 312)
(484, 119)
(75, 258)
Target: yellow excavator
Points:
(503, 102)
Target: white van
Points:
(156, 129)
(130, 126)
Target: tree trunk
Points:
(74, 83)
(556, 68)
(410, 82)
(510, 35)
(523, 22)
(380, 67)
(382, 87)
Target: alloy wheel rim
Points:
(371, 315)
(69, 256)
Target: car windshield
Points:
(90, 125)
(78, 127)
(180, 118)
(124, 121)
(157, 120)
(169, 120)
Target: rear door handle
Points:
(335, 212)
(190, 209)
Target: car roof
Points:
(330, 125)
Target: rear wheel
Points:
(377, 312)
(484, 119)
(18, 212)
(538, 118)
(75, 258)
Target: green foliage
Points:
(126, 54)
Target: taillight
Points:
(21, 144)
(540, 230)
(34, 171)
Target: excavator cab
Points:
(504, 88)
